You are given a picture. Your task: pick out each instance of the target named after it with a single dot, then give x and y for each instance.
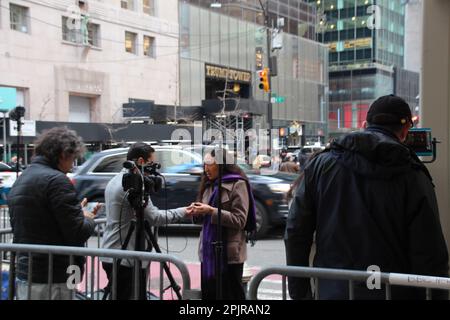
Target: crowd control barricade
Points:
(87, 288)
(388, 280)
(5, 226)
(5, 235)
(4, 217)
(93, 269)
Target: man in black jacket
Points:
(44, 210)
(370, 202)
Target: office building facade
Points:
(214, 44)
(82, 61)
(366, 39)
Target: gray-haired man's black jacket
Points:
(370, 201)
(44, 210)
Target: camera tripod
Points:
(142, 227)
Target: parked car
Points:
(182, 182)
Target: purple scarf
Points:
(210, 230)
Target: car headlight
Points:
(280, 187)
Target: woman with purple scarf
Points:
(238, 219)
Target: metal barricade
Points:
(5, 226)
(4, 217)
(352, 276)
(91, 288)
(91, 291)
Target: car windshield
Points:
(177, 161)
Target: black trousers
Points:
(232, 288)
(125, 282)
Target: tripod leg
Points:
(108, 288)
(173, 283)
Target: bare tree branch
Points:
(110, 127)
(44, 106)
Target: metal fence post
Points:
(50, 275)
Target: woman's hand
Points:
(202, 209)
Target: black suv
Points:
(183, 181)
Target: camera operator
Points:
(120, 214)
(44, 210)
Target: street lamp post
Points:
(3, 111)
(265, 10)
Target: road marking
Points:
(272, 281)
(270, 291)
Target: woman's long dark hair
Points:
(227, 169)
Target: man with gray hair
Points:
(44, 210)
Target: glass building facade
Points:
(355, 36)
(299, 16)
(352, 92)
(366, 42)
(209, 38)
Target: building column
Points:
(435, 97)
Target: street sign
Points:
(28, 128)
(278, 99)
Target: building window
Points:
(80, 109)
(19, 18)
(78, 35)
(94, 34)
(130, 42)
(148, 6)
(149, 46)
(127, 4)
(68, 33)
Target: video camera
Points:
(146, 181)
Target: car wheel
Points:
(262, 220)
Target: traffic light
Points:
(264, 79)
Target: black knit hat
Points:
(389, 110)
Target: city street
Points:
(239, 117)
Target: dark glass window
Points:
(111, 164)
